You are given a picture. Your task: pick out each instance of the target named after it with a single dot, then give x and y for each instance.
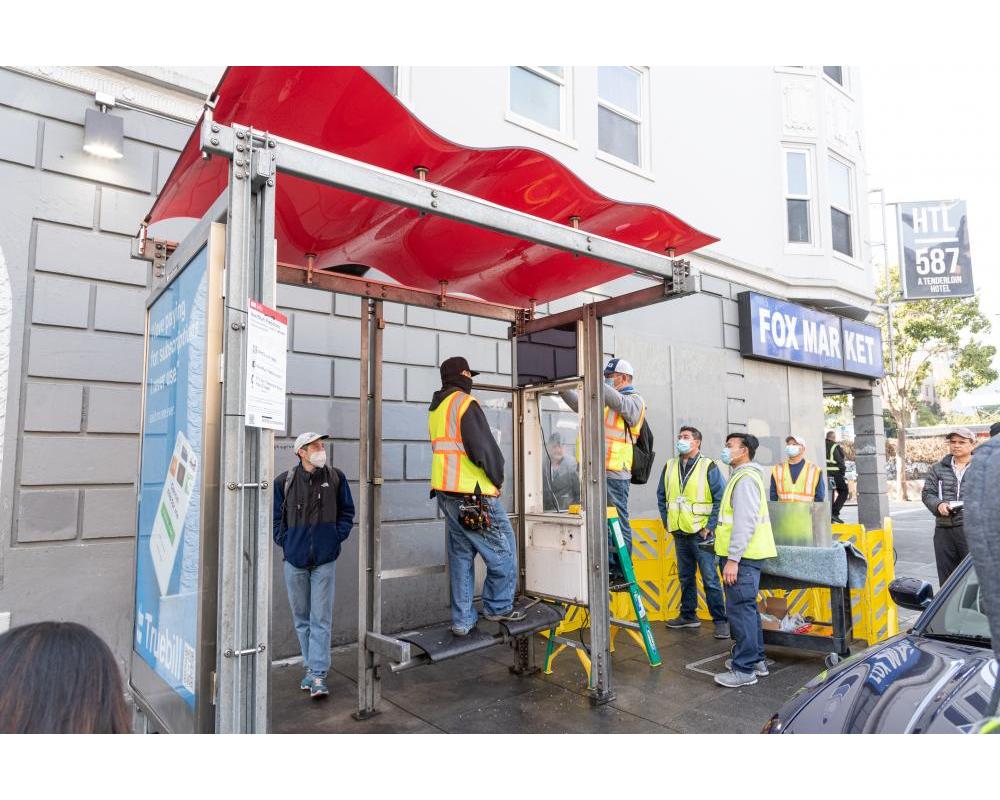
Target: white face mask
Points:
(318, 459)
(792, 450)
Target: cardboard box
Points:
(776, 607)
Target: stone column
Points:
(869, 446)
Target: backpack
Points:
(333, 476)
(642, 453)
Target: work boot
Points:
(734, 679)
(684, 622)
(511, 615)
(759, 669)
(721, 630)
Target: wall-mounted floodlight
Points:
(104, 133)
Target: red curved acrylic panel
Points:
(346, 111)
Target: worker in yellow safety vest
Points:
(624, 412)
(796, 478)
(835, 469)
(467, 470)
(688, 495)
(743, 540)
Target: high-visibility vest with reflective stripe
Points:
(617, 445)
(451, 468)
(803, 489)
(831, 462)
(761, 544)
(688, 509)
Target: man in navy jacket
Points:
(313, 515)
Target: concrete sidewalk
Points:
(478, 694)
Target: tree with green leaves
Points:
(927, 331)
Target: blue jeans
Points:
(744, 618)
(690, 560)
(618, 497)
(495, 545)
(310, 594)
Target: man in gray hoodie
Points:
(743, 539)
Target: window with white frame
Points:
(620, 112)
(842, 206)
(835, 74)
(387, 76)
(539, 94)
(799, 195)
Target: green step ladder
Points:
(644, 636)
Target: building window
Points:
(620, 107)
(798, 196)
(539, 94)
(387, 76)
(835, 74)
(841, 206)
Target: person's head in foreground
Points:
(59, 677)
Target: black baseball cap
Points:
(455, 365)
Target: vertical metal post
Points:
(243, 665)
(370, 507)
(888, 285)
(594, 494)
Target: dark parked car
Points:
(935, 678)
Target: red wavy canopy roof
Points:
(344, 110)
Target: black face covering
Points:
(459, 382)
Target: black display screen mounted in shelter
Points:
(548, 355)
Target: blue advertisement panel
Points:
(169, 526)
(781, 331)
(862, 349)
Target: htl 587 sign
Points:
(934, 250)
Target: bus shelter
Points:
(318, 177)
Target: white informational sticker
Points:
(267, 342)
(168, 525)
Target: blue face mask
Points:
(683, 446)
(791, 450)
(726, 457)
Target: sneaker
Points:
(318, 688)
(721, 630)
(837, 520)
(734, 679)
(510, 615)
(684, 622)
(458, 630)
(306, 683)
(759, 669)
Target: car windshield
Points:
(963, 613)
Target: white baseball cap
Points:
(619, 365)
(801, 442)
(308, 438)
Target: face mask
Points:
(791, 450)
(609, 381)
(318, 459)
(726, 456)
(683, 446)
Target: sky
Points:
(931, 134)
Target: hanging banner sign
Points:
(788, 333)
(934, 249)
(267, 343)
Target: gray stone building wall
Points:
(67, 505)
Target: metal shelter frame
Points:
(257, 160)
